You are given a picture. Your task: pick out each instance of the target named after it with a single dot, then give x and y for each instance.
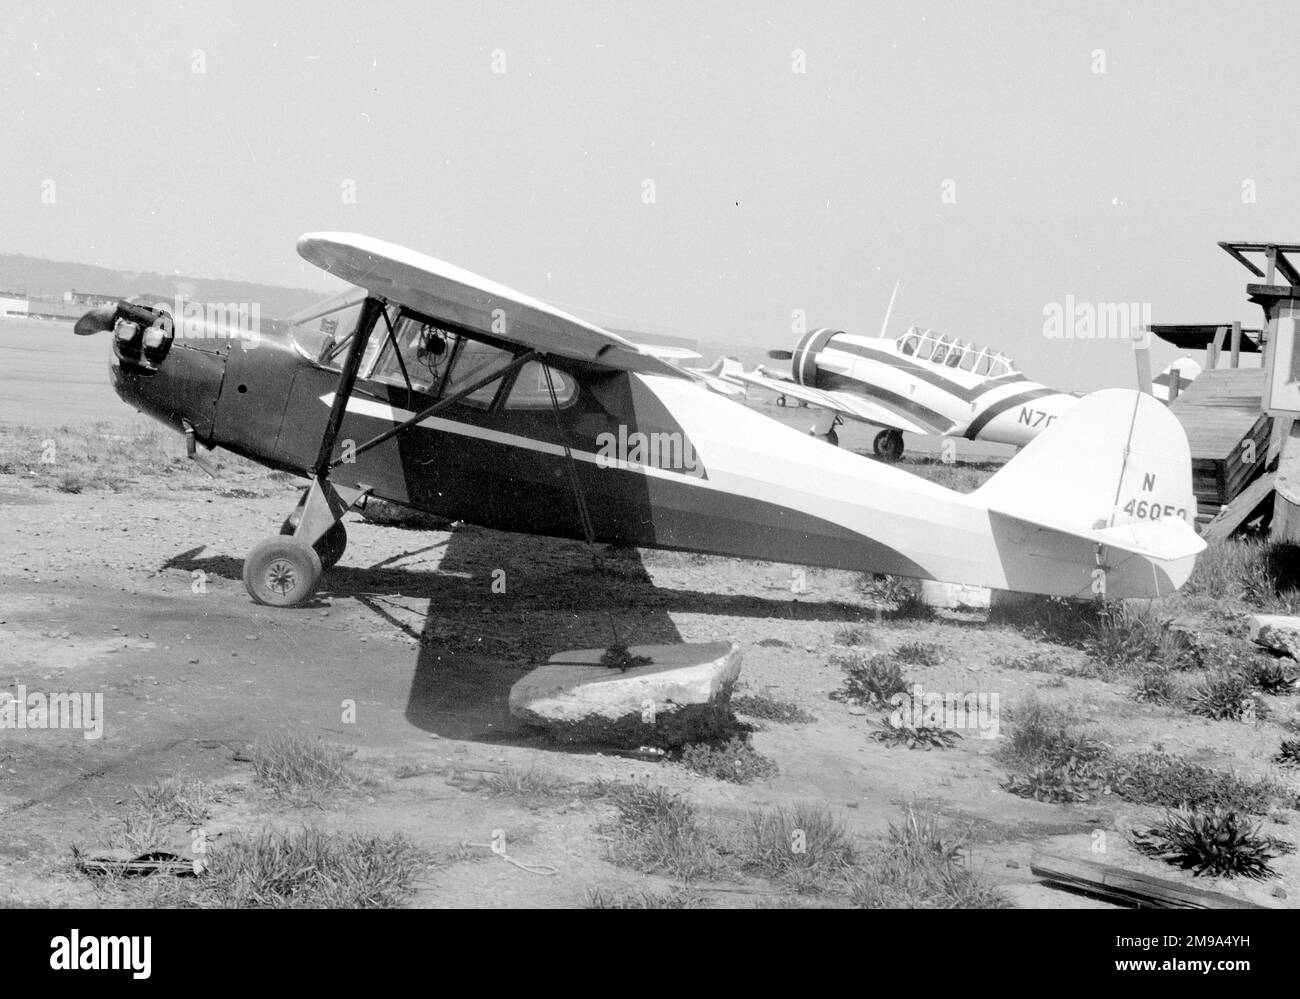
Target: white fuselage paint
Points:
(951, 536)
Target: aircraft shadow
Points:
(502, 604)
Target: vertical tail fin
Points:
(1116, 470)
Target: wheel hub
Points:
(281, 576)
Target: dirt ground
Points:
(121, 576)
(136, 593)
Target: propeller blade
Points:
(781, 355)
(97, 320)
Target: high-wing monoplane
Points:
(435, 388)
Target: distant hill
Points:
(42, 278)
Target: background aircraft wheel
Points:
(889, 445)
(330, 547)
(281, 572)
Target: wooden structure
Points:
(1228, 432)
(1245, 460)
(1129, 887)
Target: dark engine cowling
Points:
(803, 364)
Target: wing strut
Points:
(326, 503)
(574, 481)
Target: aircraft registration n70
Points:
(435, 388)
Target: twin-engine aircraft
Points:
(922, 382)
(435, 388)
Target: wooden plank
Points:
(1129, 887)
(1241, 509)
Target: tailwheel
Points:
(330, 546)
(888, 445)
(282, 572)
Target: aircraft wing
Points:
(444, 291)
(673, 355)
(850, 404)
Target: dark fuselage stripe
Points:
(805, 366)
(937, 422)
(917, 370)
(998, 408)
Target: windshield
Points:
(323, 331)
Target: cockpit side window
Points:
(421, 359)
(531, 390)
(474, 361)
(908, 346)
(926, 348)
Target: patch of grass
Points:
(177, 800)
(1288, 753)
(773, 643)
(805, 847)
(1051, 758)
(735, 760)
(925, 737)
(1218, 842)
(1224, 695)
(309, 869)
(1123, 640)
(769, 708)
(920, 866)
(919, 654)
(852, 634)
(869, 681)
(531, 783)
(1037, 661)
(1155, 685)
(288, 764)
(1049, 619)
(657, 831)
(677, 898)
(1155, 778)
(139, 833)
(1257, 573)
(898, 598)
(960, 476)
(1272, 676)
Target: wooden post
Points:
(1142, 356)
(1236, 343)
(1286, 495)
(1214, 348)
(1175, 383)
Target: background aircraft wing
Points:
(850, 404)
(444, 291)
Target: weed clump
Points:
(1218, 842)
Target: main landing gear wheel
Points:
(282, 572)
(330, 546)
(888, 445)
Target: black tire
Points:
(330, 546)
(888, 445)
(281, 572)
(831, 437)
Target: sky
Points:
(721, 171)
